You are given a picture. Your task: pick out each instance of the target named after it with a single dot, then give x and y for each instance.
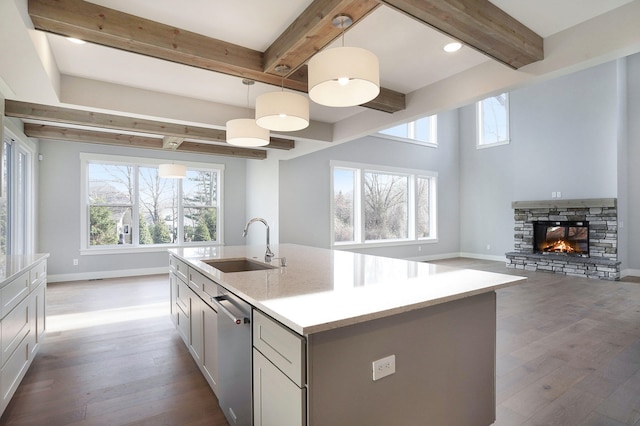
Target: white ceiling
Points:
(410, 53)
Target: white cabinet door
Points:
(210, 346)
(173, 290)
(195, 327)
(277, 401)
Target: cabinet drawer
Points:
(197, 280)
(182, 297)
(15, 326)
(14, 292)
(180, 268)
(37, 274)
(14, 369)
(284, 348)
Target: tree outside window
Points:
(131, 205)
(379, 206)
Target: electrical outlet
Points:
(488, 246)
(554, 194)
(559, 194)
(384, 367)
(75, 262)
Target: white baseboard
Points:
(82, 276)
(427, 258)
(495, 258)
(630, 273)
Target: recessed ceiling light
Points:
(76, 40)
(453, 47)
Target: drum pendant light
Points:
(282, 111)
(245, 131)
(343, 76)
(172, 171)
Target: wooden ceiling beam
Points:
(112, 28)
(53, 114)
(312, 31)
(43, 131)
(479, 24)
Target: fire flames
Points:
(560, 246)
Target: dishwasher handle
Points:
(238, 319)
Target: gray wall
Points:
(305, 194)
(60, 205)
(564, 137)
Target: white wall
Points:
(60, 206)
(262, 200)
(305, 193)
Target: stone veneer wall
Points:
(602, 215)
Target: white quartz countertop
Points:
(12, 266)
(322, 289)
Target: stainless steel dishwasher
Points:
(234, 357)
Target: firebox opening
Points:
(570, 238)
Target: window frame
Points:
(20, 220)
(479, 123)
(411, 131)
(135, 246)
(359, 240)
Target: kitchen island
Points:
(320, 322)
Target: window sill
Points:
(140, 249)
(385, 243)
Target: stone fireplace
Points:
(569, 237)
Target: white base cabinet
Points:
(22, 325)
(195, 320)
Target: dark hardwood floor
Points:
(112, 357)
(568, 353)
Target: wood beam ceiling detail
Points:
(52, 114)
(479, 24)
(107, 138)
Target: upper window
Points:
(493, 121)
(375, 204)
(129, 205)
(423, 131)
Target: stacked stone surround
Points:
(602, 215)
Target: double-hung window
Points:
(382, 205)
(492, 117)
(127, 205)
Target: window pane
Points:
(158, 212)
(200, 188)
(423, 129)
(493, 113)
(422, 204)
(4, 219)
(200, 224)
(110, 184)
(343, 191)
(108, 224)
(401, 131)
(385, 206)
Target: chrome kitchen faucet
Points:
(269, 254)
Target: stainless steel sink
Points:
(237, 265)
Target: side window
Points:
(381, 205)
(423, 131)
(493, 121)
